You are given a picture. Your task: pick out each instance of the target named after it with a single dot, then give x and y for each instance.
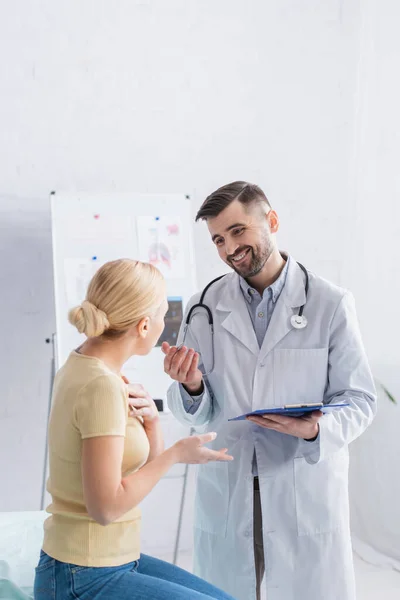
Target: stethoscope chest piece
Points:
(298, 321)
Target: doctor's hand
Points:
(191, 450)
(181, 364)
(305, 427)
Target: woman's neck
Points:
(114, 353)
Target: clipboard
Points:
(293, 410)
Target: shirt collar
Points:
(274, 289)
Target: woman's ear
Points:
(143, 327)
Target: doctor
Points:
(280, 510)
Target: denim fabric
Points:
(145, 579)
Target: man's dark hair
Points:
(246, 193)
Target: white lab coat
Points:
(303, 485)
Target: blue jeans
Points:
(145, 579)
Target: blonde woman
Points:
(106, 452)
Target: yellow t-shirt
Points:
(89, 400)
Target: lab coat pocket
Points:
(212, 498)
(300, 375)
(321, 492)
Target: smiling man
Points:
(279, 512)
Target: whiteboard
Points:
(91, 229)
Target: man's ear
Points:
(273, 221)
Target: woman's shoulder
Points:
(87, 374)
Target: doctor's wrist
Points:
(194, 389)
(314, 438)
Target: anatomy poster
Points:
(161, 244)
(78, 273)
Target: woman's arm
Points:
(155, 437)
(108, 496)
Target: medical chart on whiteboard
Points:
(161, 244)
(78, 272)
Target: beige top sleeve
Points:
(102, 408)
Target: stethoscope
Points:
(297, 321)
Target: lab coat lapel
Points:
(292, 297)
(237, 320)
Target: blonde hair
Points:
(120, 294)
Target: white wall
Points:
(183, 95)
(173, 96)
(373, 272)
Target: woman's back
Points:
(89, 400)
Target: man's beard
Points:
(259, 256)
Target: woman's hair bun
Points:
(89, 319)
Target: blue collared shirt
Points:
(262, 307)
